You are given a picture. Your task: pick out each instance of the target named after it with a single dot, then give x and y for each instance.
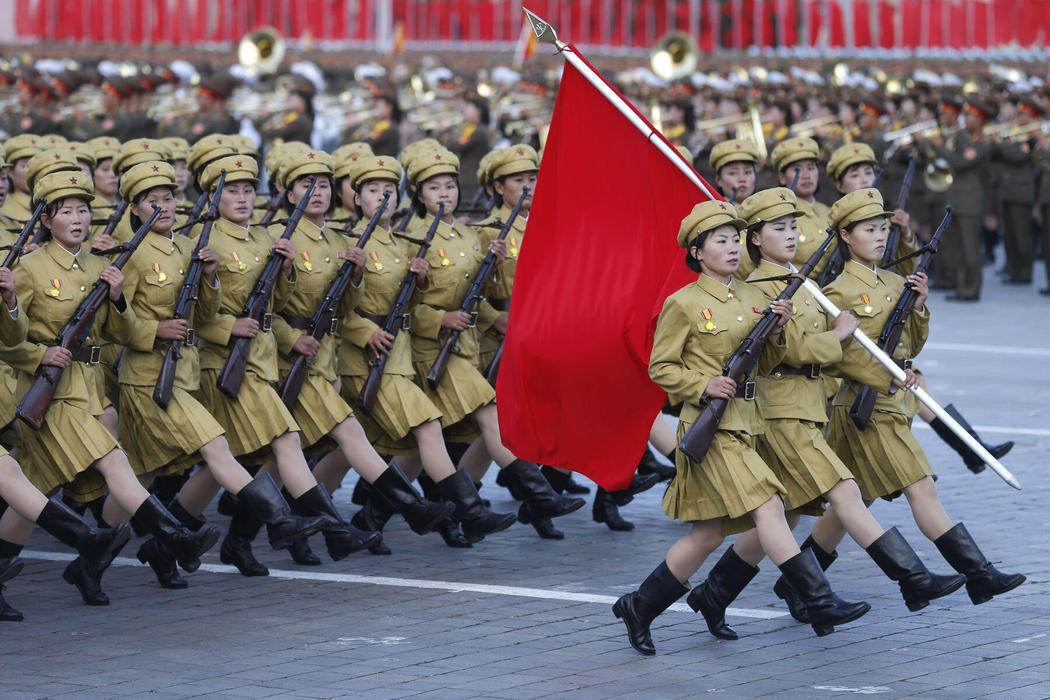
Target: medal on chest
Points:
(56, 287)
(709, 325)
(375, 260)
(241, 265)
(867, 303)
(514, 246)
(445, 262)
(160, 273)
(307, 265)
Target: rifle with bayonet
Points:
(186, 302)
(232, 373)
(323, 321)
(697, 439)
(396, 320)
(864, 402)
(474, 297)
(37, 400)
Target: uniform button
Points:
(900, 344)
(452, 234)
(83, 288)
(181, 272)
(466, 276)
(807, 302)
(256, 258)
(889, 299)
(462, 254)
(730, 295)
(397, 260)
(739, 318)
(328, 260)
(74, 266)
(816, 325)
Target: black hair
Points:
(842, 243)
(417, 202)
(289, 207)
(698, 243)
(753, 251)
(51, 208)
(392, 207)
(133, 218)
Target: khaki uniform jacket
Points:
(242, 256)
(18, 206)
(699, 328)
(871, 296)
(810, 341)
(153, 280)
(51, 283)
(503, 280)
(385, 269)
(454, 256)
(317, 263)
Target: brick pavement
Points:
(284, 637)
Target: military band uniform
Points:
(1017, 193)
(257, 415)
(885, 457)
(1042, 199)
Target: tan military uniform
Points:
(51, 283)
(257, 415)
(885, 457)
(498, 292)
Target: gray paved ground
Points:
(232, 637)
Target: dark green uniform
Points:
(1017, 194)
(969, 156)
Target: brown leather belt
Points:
(299, 323)
(745, 391)
(191, 340)
(88, 354)
(406, 319)
(903, 364)
(500, 304)
(808, 371)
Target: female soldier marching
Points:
(699, 328)
(72, 448)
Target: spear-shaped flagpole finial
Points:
(544, 31)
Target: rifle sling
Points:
(909, 256)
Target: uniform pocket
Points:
(159, 292)
(714, 337)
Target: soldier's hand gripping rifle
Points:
(474, 297)
(697, 439)
(14, 251)
(37, 400)
(894, 239)
(323, 321)
(232, 373)
(186, 301)
(864, 402)
(396, 320)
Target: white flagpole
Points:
(545, 33)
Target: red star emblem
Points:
(311, 155)
(871, 195)
(239, 165)
(722, 207)
(856, 151)
(72, 181)
(521, 152)
(58, 157)
(156, 168)
(72, 148)
(380, 163)
(218, 141)
(437, 156)
(145, 146)
(783, 197)
(736, 147)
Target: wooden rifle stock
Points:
(697, 439)
(195, 215)
(14, 252)
(864, 402)
(473, 297)
(395, 320)
(34, 405)
(894, 238)
(324, 316)
(186, 301)
(232, 373)
(272, 205)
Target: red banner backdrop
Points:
(604, 24)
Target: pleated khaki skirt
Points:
(884, 458)
(164, 442)
(8, 385)
(61, 453)
(320, 408)
(254, 419)
(490, 341)
(400, 406)
(461, 391)
(730, 483)
(803, 461)
(110, 385)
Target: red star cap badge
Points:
(521, 152)
(239, 164)
(871, 195)
(156, 168)
(218, 141)
(145, 146)
(783, 197)
(380, 163)
(736, 147)
(58, 157)
(311, 155)
(437, 156)
(722, 206)
(72, 181)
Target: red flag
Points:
(599, 259)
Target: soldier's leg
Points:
(968, 263)
(1017, 234)
(1046, 246)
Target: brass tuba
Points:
(674, 56)
(261, 51)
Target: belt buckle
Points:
(333, 327)
(473, 320)
(95, 355)
(191, 337)
(406, 322)
(814, 371)
(267, 323)
(908, 364)
(749, 391)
